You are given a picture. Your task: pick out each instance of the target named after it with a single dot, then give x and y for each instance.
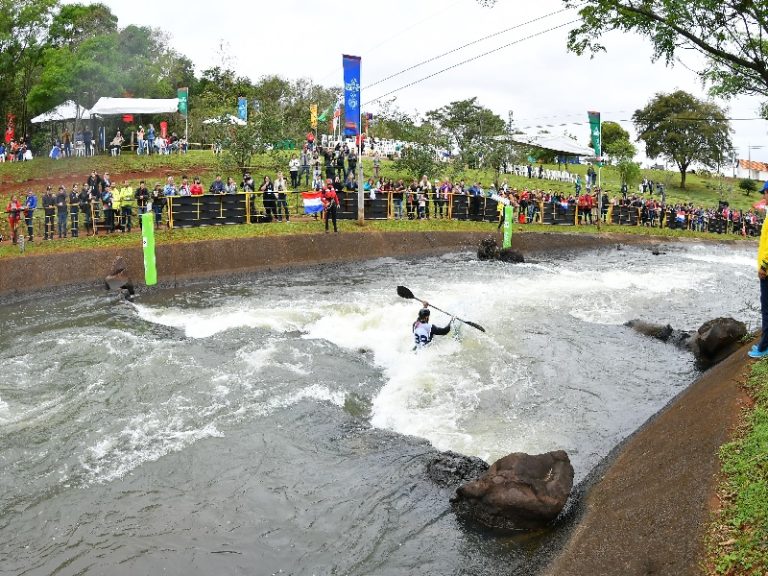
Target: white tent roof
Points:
(561, 144)
(113, 106)
(66, 111)
(226, 119)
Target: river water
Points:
(282, 424)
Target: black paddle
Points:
(403, 292)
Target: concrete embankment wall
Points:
(183, 261)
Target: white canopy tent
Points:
(561, 144)
(226, 119)
(114, 106)
(69, 110)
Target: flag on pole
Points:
(351, 94)
(596, 132)
(313, 202)
(242, 108)
(313, 115)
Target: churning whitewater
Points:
(284, 422)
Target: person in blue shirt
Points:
(30, 204)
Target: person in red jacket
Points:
(196, 189)
(330, 204)
(14, 210)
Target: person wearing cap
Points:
(62, 212)
(760, 350)
(424, 330)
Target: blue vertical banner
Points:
(351, 95)
(242, 108)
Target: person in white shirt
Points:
(424, 330)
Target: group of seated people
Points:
(15, 151)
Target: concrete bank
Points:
(183, 261)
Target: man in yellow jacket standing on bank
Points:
(760, 350)
(127, 203)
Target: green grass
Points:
(738, 540)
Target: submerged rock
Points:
(450, 468)
(489, 250)
(519, 492)
(715, 340)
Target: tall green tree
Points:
(684, 130)
(23, 32)
(731, 34)
(471, 128)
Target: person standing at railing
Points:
(13, 210)
(74, 210)
(157, 199)
(49, 209)
(197, 189)
(107, 204)
(282, 199)
(84, 204)
(330, 205)
(30, 205)
(267, 188)
(230, 187)
(127, 203)
(140, 140)
(61, 212)
(150, 139)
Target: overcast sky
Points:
(536, 77)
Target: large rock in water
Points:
(716, 340)
(489, 250)
(519, 491)
(450, 468)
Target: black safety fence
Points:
(250, 208)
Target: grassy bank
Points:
(738, 538)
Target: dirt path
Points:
(648, 512)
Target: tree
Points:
(418, 160)
(470, 127)
(731, 34)
(684, 130)
(611, 132)
(747, 185)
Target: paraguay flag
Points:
(313, 202)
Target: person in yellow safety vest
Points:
(127, 203)
(760, 350)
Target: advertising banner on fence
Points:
(351, 95)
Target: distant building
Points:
(752, 169)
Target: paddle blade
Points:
(473, 324)
(403, 292)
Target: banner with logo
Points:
(595, 131)
(508, 216)
(183, 95)
(242, 108)
(351, 95)
(313, 116)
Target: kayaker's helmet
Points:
(424, 314)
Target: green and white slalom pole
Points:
(148, 242)
(508, 216)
